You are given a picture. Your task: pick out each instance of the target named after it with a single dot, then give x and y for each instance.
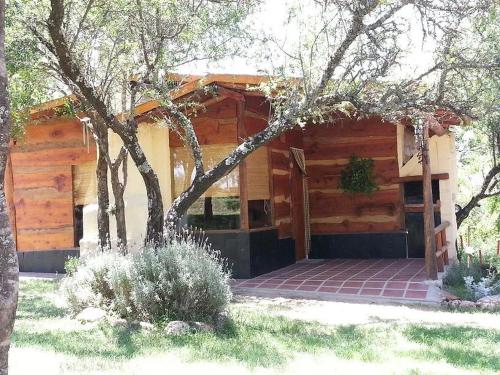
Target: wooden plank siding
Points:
(328, 149)
(281, 179)
(42, 182)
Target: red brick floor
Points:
(381, 278)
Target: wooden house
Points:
(282, 204)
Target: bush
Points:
(71, 265)
(455, 273)
(471, 283)
(185, 280)
(487, 286)
(89, 285)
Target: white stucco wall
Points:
(443, 160)
(155, 143)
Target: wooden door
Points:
(298, 222)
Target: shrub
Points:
(455, 273)
(484, 287)
(71, 265)
(89, 285)
(472, 282)
(184, 279)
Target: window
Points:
(414, 192)
(219, 207)
(259, 196)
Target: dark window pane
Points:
(214, 213)
(414, 192)
(259, 213)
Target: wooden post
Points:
(429, 238)
(498, 247)
(240, 113)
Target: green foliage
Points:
(28, 79)
(67, 110)
(184, 279)
(71, 265)
(357, 177)
(90, 284)
(457, 274)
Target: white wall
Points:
(443, 160)
(155, 143)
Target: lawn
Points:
(265, 336)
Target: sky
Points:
(271, 18)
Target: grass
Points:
(252, 340)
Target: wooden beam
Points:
(435, 176)
(240, 113)
(429, 235)
(419, 207)
(230, 94)
(441, 227)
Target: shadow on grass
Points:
(464, 347)
(35, 302)
(254, 341)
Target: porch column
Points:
(429, 237)
(243, 179)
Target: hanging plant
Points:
(357, 177)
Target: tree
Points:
(9, 267)
(487, 126)
(349, 56)
(133, 42)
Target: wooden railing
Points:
(441, 245)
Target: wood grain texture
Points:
(46, 239)
(42, 177)
(328, 149)
(51, 157)
(43, 182)
(38, 213)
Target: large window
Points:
(219, 207)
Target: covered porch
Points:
(362, 279)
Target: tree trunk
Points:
(489, 183)
(9, 268)
(102, 190)
(126, 130)
(429, 225)
(118, 190)
(208, 210)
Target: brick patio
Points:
(395, 279)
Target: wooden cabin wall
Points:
(328, 149)
(42, 185)
(281, 179)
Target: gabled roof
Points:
(192, 83)
(187, 85)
